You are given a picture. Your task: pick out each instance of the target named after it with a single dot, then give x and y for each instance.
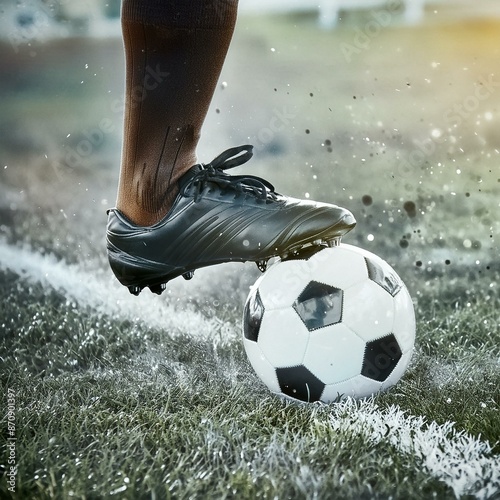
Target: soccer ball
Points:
(329, 324)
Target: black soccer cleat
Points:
(219, 218)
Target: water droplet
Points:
(367, 200)
(410, 208)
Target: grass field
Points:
(110, 395)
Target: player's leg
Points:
(174, 54)
(174, 216)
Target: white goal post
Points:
(329, 10)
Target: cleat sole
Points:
(303, 251)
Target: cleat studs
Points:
(334, 243)
(158, 289)
(188, 276)
(262, 265)
(134, 290)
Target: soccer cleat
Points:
(219, 218)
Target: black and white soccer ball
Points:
(337, 323)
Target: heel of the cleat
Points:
(136, 274)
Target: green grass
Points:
(128, 432)
(154, 398)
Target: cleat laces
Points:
(214, 172)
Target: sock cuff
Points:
(205, 14)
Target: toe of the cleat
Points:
(348, 220)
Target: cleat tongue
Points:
(189, 275)
(262, 265)
(134, 290)
(158, 289)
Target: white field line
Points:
(100, 290)
(466, 464)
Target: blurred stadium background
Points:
(28, 19)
